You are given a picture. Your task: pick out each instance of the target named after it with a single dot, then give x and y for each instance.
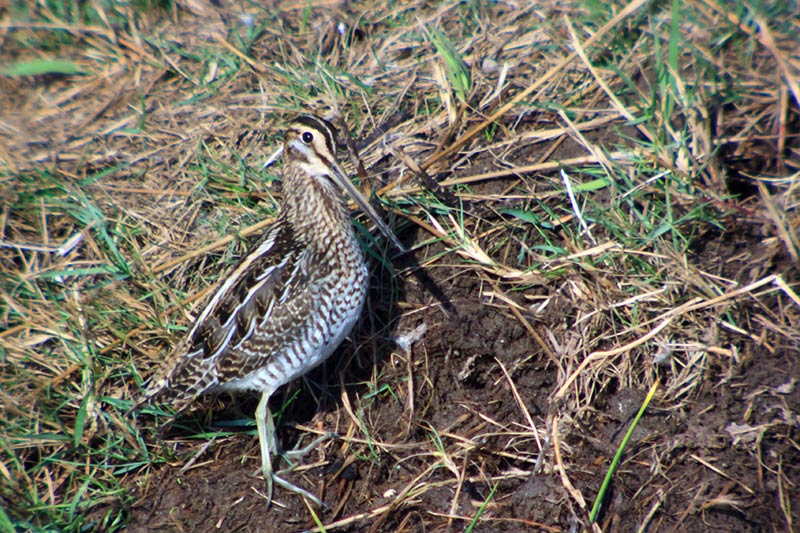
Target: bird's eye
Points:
(307, 137)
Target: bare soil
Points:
(708, 465)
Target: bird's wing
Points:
(250, 293)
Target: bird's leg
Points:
(266, 439)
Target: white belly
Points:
(315, 339)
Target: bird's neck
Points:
(317, 213)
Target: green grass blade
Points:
(618, 456)
(5, 523)
(41, 67)
(480, 510)
(454, 65)
(80, 422)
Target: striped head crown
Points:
(311, 143)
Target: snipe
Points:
(289, 303)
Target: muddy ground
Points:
(708, 465)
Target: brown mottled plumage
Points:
(289, 303)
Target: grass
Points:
(583, 184)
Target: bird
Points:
(288, 303)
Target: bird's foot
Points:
(299, 453)
(271, 477)
(299, 490)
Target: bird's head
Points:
(310, 144)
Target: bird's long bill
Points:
(362, 202)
